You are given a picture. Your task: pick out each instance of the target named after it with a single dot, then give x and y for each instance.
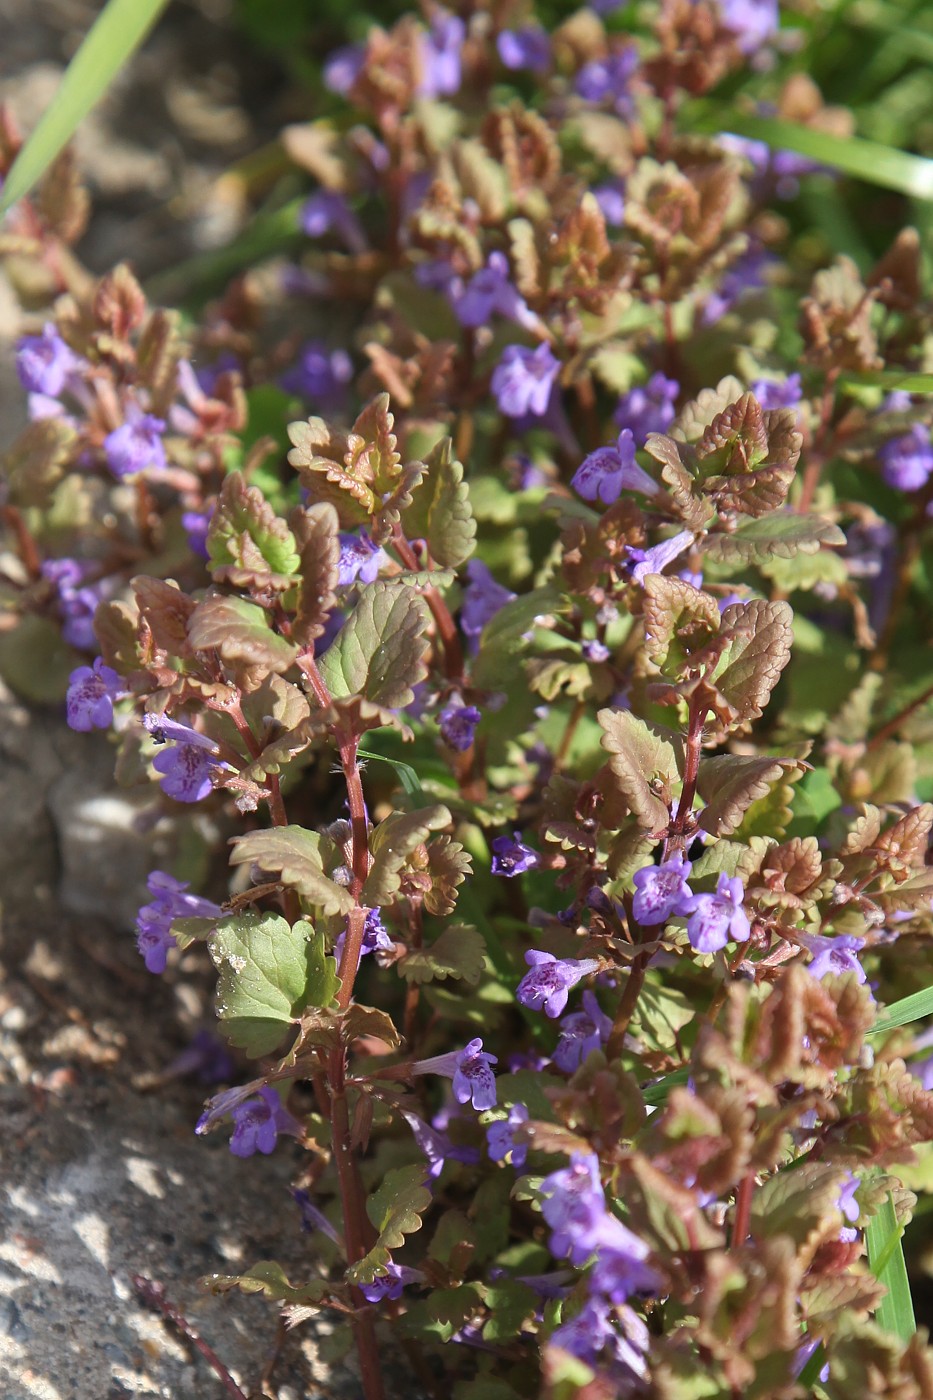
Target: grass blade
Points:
(866, 160)
(886, 1256)
(118, 30)
(406, 775)
(891, 379)
(902, 1012)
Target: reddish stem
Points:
(28, 549)
(446, 627)
(743, 1210)
(153, 1294)
(693, 748)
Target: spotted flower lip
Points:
(523, 379)
(834, 956)
(470, 1070)
(656, 559)
(547, 985)
(660, 890)
(92, 691)
(715, 918)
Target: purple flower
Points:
(591, 1336)
(170, 901)
(609, 77)
(661, 889)
(523, 379)
(258, 1123)
(391, 1283)
(44, 363)
(320, 375)
(511, 857)
(437, 1146)
(488, 290)
(745, 275)
(196, 524)
(648, 408)
(923, 1070)
(206, 1057)
(715, 918)
(326, 211)
(656, 559)
(620, 1268)
(528, 47)
(375, 936)
(581, 1033)
(440, 56)
(907, 462)
(612, 203)
(473, 1080)
(595, 652)
(607, 472)
(482, 599)
(312, 1218)
(187, 766)
(344, 67)
(573, 1205)
(753, 21)
(845, 1201)
(136, 446)
(91, 693)
(360, 559)
(834, 956)
(457, 724)
(776, 393)
(546, 986)
(500, 1138)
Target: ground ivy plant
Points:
(561, 680)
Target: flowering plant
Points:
(600, 582)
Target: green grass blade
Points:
(902, 1012)
(866, 160)
(267, 234)
(406, 775)
(891, 379)
(886, 1256)
(656, 1094)
(118, 30)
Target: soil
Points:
(101, 1175)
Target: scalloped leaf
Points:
(269, 1278)
(293, 853)
(247, 543)
(459, 952)
(392, 843)
(679, 621)
(379, 651)
(166, 611)
(757, 655)
(263, 975)
(317, 536)
(440, 512)
(644, 765)
(240, 632)
(397, 1206)
(780, 535)
(730, 783)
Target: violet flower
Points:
(440, 56)
(376, 938)
(206, 1057)
(620, 1269)
(458, 723)
(609, 78)
(489, 290)
(776, 393)
(547, 985)
(436, 1146)
(526, 48)
(360, 560)
(320, 375)
(327, 211)
(469, 1068)
(391, 1283)
(344, 67)
(745, 275)
(523, 379)
(715, 918)
(595, 652)
(660, 890)
(258, 1123)
(611, 201)
(754, 22)
(44, 363)
(607, 472)
(91, 693)
(500, 1138)
(834, 956)
(648, 408)
(196, 524)
(907, 462)
(592, 1337)
(312, 1218)
(511, 857)
(656, 559)
(186, 766)
(581, 1033)
(136, 446)
(170, 900)
(573, 1203)
(482, 599)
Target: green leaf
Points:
(317, 534)
(866, 160)
(262, 962)
(781, 534)
(459, 952)
(406, 774)
(240, 632)
(440, 511)
(643, 763)
(395, 1209)
(392, 843)
(511, 1303)
(757, 655)
(905, 1011)
(323, 983)
(117, 32)
(730, 783)
(504, 634)
(247, 542)
(268, 1278)
(379, 651)
(886, 1256)
(293, 853)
